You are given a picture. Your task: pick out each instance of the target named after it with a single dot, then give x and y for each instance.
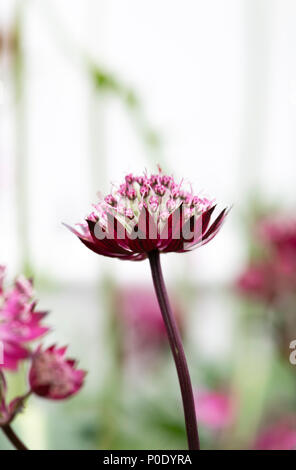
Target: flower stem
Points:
(177, 351)
(13, 438)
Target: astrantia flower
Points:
(19, 322)
(141, 218)
(53, 376)
(147, 213)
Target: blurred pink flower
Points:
(279, 232)
(274, 275)
(53, 376)
(214, 409)
(147, 213)
(19, 323)
(281, 436)
(258, 281)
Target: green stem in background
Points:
(13, 438)
(177, 351)
(110, 399)
(21, 164)
(106, 83)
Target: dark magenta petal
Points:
(147, 231)
(211, 233)
(216, 224)
(101, 249)
(106, 244)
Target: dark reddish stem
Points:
(13, 438)
(177, 350)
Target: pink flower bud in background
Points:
(216, 410)
(279, 232)
(273, 276)
(53, 376)
(281, 436)
(258, 281)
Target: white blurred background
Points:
(216, 79)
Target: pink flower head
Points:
(216, 410)
(281, 436)
(162, 215)
(19, 322)
(53, 376)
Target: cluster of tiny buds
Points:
(155, 192)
